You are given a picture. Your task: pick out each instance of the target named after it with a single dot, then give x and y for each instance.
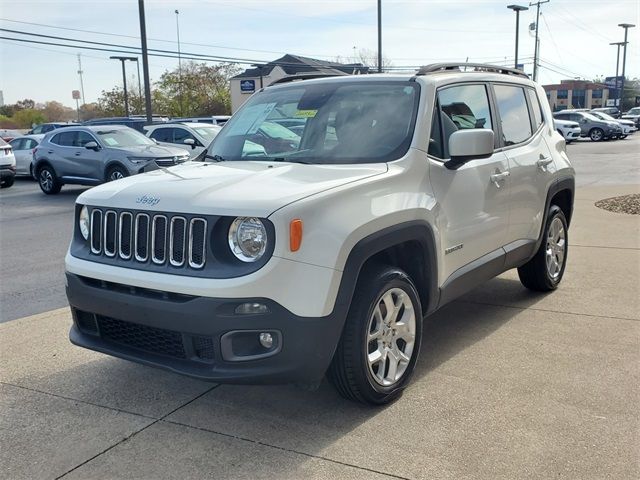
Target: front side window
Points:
(461, 107)
(180, 135)
(328, 122)
(164, 135)
(514, 114)
(122, 138)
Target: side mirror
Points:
(190, 141)
(467, 145)
(92, 146)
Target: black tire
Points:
(535, 274)
(116, 173)
(49, 182)
(7, 182)
(622, 137)
(596, 134)
(350, 371)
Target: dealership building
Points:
(252, 79)
(577, 94)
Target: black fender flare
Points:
(418, 231)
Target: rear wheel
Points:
(48, 181)
(7, 182)
(596, 134)
(381, 339)
(544, 271)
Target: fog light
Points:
(252, 309)
(266, 340)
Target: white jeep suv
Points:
(322, 251)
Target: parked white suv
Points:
(323, 252)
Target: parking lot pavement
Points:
(510, 384)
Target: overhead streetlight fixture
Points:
(124, 80)
(626, 27)
(517, 9)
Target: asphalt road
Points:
(35, 229)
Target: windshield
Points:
(123, 138)
(591, 117)
(208, 133)
(603, 116)
(331, 122)
(634, 111)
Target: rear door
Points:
(474, 199)
(523, 131)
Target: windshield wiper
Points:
(216, 158)
(286, 159)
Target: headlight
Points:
(248, 238)
(84, 222)
(139, 160)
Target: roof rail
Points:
(308, 76)
(477, 67)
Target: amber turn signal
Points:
(295, 234)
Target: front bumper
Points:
(191, 335)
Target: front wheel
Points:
(7, 182)
(116, 173)
(381, 340)
(545, 270)
(596, 134)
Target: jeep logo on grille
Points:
(147, 200)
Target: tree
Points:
(57, 112)
(199, 90)
(27, 117)
(26, 104)
(368, 58)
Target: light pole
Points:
(517, 9)
(145, 61)
(618, 44)
(124, 80)
(379, 36)
(259, 66)
(179, 62)
(626, 27)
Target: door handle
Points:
(77, 154)
(543, 162)
(496, 177)
(50, 151)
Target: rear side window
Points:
(535, 107)
(514, 114)
(461, 107)
(64, 139)
(18, 144)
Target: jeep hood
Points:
(226, 188)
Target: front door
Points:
(474, 199)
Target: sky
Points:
(574, 36)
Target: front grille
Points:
(169, 161)
(142, 337)
(149, 238)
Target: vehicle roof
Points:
(35, 136)
(94, 128)
(437, 77)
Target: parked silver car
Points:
(591, 126)
(97, 154)
(628, 127)
(23, 148)
(192, 137)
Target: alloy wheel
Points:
(391, 334)
(46, 180)
(556, 246)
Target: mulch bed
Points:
(626, 204)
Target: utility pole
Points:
(145, 62)
(179, 64)
(379, 36)
(517, 9)
(618, 44)
(80, 72)
(626, 27)
(537, 48)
